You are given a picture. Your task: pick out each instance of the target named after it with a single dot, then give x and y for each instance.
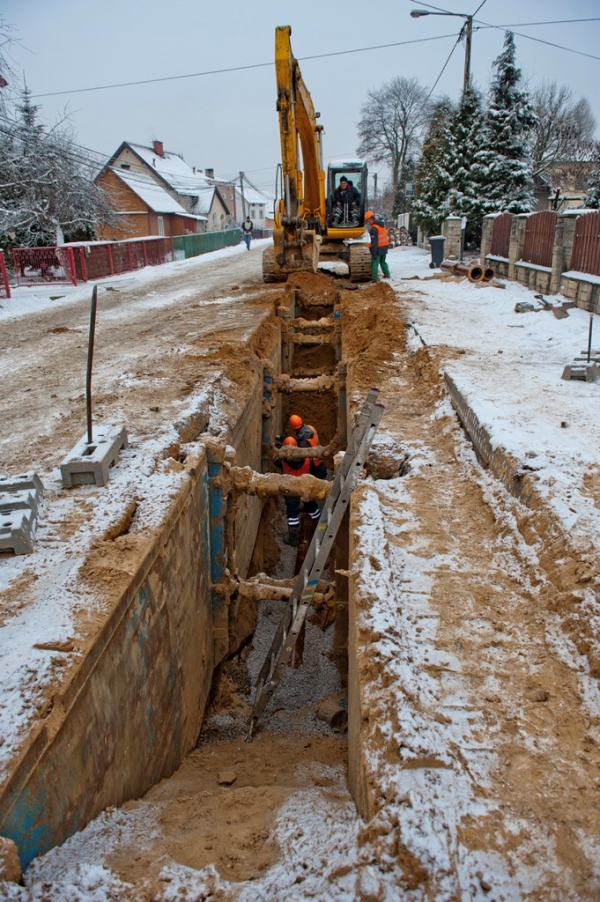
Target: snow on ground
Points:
(508, 366)
(34, 299)
(50, 579)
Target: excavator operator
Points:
(346, 202)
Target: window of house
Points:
(161, 226)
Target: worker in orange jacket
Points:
(380, 243)
(292, 502)
(306, 433)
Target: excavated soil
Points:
(533, 759)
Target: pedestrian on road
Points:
(380, 243)
(306, 433)
(247, 229)
(292, 503)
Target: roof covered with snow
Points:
(175, 171)
(157, 198)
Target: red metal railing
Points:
(501, 235)
(85, 262)
(39, 265)
(4, 286)
(539, 239)
(586, 244)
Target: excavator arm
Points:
(303, 178)
(301, 211)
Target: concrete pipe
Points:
(473, 271)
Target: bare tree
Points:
(392, 123)
(46, 183)
(564, 125)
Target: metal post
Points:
(88, 381)
(589, 350)
(215, 456)
(242, 193)
(266, 418)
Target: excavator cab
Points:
(346, 194)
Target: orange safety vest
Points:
(300, 471)
(313, 441)
(382, 235)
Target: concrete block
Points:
(12, 501)
(16, 531)
(89, 464)
(28, 480)
(582, 372)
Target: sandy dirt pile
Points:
(480, 720)
(478, 715)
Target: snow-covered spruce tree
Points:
(433, 179)
(592, 199)
(503, 166)
(46, 184)
(462, 140)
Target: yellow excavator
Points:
(317, 216)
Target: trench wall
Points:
(135, 706)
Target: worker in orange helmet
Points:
(306, 433)
(292, 503)
(380, 244)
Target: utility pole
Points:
(242, 193)
(374, 186)
(468, 30)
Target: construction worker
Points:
(380, 243)
(292, 503)
(306, 433)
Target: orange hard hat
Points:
(290, 440)
(369, 215)
(295, 421)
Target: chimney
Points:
(210, 173)
(158, 148)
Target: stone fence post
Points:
(517, 240)
(452, 233)
(564, 236)
(486, 235)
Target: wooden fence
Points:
(501, 235)
(586, 245)
(539, 239)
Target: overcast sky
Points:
(228, 121)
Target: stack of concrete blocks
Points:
(581, 288)
(20, 498)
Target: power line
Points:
(458, 40)
(550, 22)
(150, 81)
(541, 41)
(527, 36)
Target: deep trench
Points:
(312, 697)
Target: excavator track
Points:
(359, 263)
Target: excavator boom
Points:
(301, 210)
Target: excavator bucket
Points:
(289, 256)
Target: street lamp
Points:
(467, 29)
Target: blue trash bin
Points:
(437, 251)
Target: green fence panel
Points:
(185, 246)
